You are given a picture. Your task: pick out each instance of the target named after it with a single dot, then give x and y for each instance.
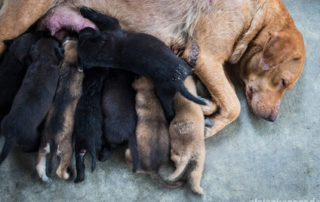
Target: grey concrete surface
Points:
(250, 159)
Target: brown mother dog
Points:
(258, 35)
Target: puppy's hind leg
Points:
(41, 166)
(128, 157)
(80, 165)
(65, 153)
(196, 173)
(133, 145)
(104, 153)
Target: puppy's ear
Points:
(59, 52)
(28, 58)
(8, 42)
(280, 47)
(42, 34)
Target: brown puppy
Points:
(151, 131)
(235, 31)
(187, 138)
(57, 134)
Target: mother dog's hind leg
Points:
(16, 16)
(211, 73)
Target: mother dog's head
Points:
(271, 65)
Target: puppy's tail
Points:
(93, 153)
(185, 92)
(134, 152)
(180, 170)
(166, 183)
(52, 155)
(7, 147)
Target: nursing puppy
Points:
(12, 69)
(136, 52)
(57, 133)
(120, 118)
(88, 120)
(187, 138)
(33, 99)
(152, 133)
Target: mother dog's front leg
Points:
(211, 73)
(16, 16)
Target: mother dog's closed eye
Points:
(136, 52)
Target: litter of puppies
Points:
(107, 88)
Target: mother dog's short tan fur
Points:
(258, 35)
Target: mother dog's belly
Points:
(171, 21)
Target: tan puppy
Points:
(57, 133)
(258, 35)
(151, 131)
(187, 138)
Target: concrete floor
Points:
(250, 159)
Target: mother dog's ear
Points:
(280, 47)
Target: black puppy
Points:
(88, 120)
(13, 67)
(136, 52)
(120, 119)
(33, 100)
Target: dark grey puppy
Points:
(140, 53)
(120, 117)
(13, 67)
(33, 100)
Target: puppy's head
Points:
(89, 46)
(270, 70)
(47, 49)
(90, 37)
(20, 46)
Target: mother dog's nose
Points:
(272, 117)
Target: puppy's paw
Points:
(210, 107)
(104, 154)
(197, 190)
(79, 178)
(63, 174)
(46, 179)
(208, 123)
(66, 176)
